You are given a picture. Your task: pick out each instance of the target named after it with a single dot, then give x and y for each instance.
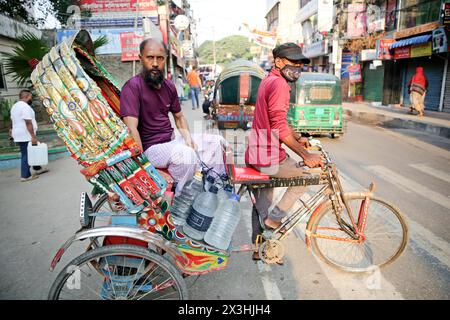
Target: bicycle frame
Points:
(333, 192)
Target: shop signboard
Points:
(446, 14)
(368, 55)
(421, 50)
(108, 6)
(382, 49)
(129, 42)
(348, 59)
(354, 73)
(316, 49)
(402, 53)
(440, 41)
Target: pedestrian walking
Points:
(417, 88)
(179, 84)
(194, 84)
(24, 127)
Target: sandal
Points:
(256, 257)
(282, 230)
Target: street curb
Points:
(382, 120)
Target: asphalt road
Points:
(411, 172)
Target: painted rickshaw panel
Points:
(83, 102)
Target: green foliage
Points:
(227, 50)
(16, 63)
(5, 109)
(100, 41)
(17, 10)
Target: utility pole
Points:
(170, 61)
(135, 30)
(214, 50)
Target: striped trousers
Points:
(181, 160)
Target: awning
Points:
(411, 41)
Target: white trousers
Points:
(181, 160)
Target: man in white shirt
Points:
(23, 130)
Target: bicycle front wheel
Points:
(386, 236)
(119, 272)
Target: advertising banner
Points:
(105, 6)
(356, 22)
(112, 47)
(383, 52)
(440, 41)
(446, 14)
(348, 59)
(354, 73)
(129, 42)
(402, 53)
(421, 50)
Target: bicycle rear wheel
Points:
(119, 272)
(386, 235)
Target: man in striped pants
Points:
(145, 103)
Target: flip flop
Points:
(255, 257)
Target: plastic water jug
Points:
(201, 214)
(182, 203)
(38, 154)
(225, 221)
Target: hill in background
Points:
(227, 50)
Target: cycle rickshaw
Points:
(139, 253)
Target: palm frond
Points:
(17, 63)
(100, 41)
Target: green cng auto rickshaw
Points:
(235, 95)
(316, 105)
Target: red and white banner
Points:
(104, 6)
(264, 39)
(129, 42)
(354, 73)
(402, 53)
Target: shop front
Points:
(372, 76)
(417, 52)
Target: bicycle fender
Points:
(119, 231)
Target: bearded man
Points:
(145, 103)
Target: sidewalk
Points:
(435, 123)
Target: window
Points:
(272, 18)
(417, 12)
(2, 78)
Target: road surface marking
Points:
(271, 289)
(432, 171)
(422, 237)
(411, 185)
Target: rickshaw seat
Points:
(247, 175)
(250, 176)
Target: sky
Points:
(221, 18)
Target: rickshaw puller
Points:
(270, 129)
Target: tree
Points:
(29, 51)
(19, 10)
(227, 50)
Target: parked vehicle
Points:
(134, 249)
(235, 95)
(316, 105)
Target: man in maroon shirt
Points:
(145, 103)
(270, 129)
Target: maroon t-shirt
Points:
(151, 107)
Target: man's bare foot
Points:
(272, 224)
